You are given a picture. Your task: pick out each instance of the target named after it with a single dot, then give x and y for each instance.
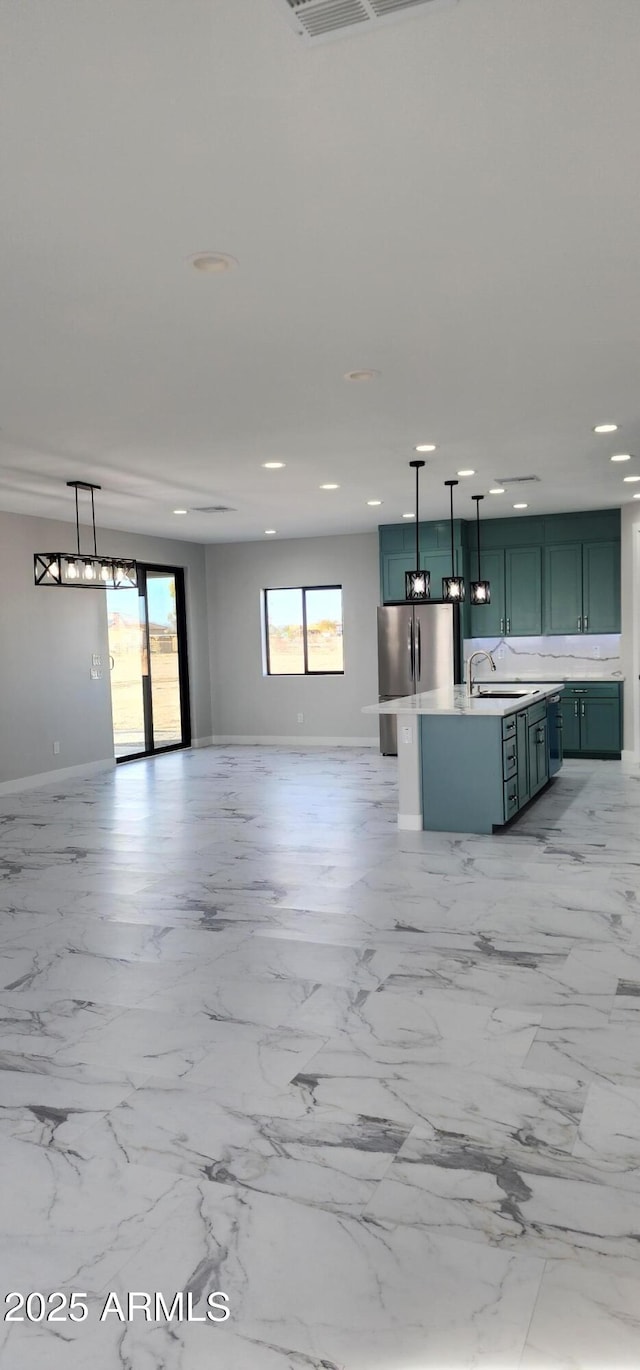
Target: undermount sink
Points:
(503, 694)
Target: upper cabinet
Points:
(553, 575)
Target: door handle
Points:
(575, 708)
(508, 625)
(586, 623)
(419, 650)
(502, 630)
(580, 624)
(411, 651)
(583, 709)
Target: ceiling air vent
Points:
(516, 480)
(214, 509)
(317, 20)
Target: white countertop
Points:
(452, 700)
(575, 675)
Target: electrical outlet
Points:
(95, 673)
(56, 749)
(596, 650)
(500, 653)
(96, 659)
(300, 718)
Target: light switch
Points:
(96, 659)
(95, 673)
(407, 733)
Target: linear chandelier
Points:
(84, 570)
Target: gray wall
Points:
(47, 638)
(248, 704)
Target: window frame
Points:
(304, 590)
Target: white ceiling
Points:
(452, 199)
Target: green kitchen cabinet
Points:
(395, 564)
(600, 725)
(563, 588)
(487, 620)
(538, 756)
(570, 714)
(592, 718)
(523, 591)
(523, 757)
(582, 588)
(601, 587)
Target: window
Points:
(303, 631)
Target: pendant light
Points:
(417, 584)
(480, 589)
(84, 570)
(453, 585)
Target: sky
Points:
(285, 606)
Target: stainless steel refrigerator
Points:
(417, 650)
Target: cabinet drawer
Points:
(509, 726)
(592, 689)
(509, 757)
(510, 789)
(537, 712)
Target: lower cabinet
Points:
(527, 753)
(592, 719)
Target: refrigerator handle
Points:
(411, 648)
(419, 651)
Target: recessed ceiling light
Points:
(629, 479)
(269, 532)
(408, 516)
(636, 496)
(606, 428)
(360, 375)
(498, 490)
(426, 447)
(213, 262)
(521, 506)
(379, 501)
(273, 465)
(179, 511)
(329, 487)
(622, 456)
(466, 473)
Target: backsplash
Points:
(583, 657)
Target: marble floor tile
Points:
(384, 1086)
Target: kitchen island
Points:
(471, 763)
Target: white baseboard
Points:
(243, 740)
(33, 782)
(630, 758)
(410, 822)
(202, 741)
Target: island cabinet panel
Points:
(522, 731)
(478, 772)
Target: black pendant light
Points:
(417, 584)
(480, 589)
(84, 570)
(453, 585)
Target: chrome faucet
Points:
(469, 672)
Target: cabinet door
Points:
(563, 588)
(523, 591)
(523, 759)
(600, 725)
(394, 565)
(538, 763)
(601, 587)
(438, 564)
(487, 620)
(570, 715)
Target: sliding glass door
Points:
(148, 660)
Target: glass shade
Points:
(83, 571)
(453, 589)
(480, 592)
(417, 585)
